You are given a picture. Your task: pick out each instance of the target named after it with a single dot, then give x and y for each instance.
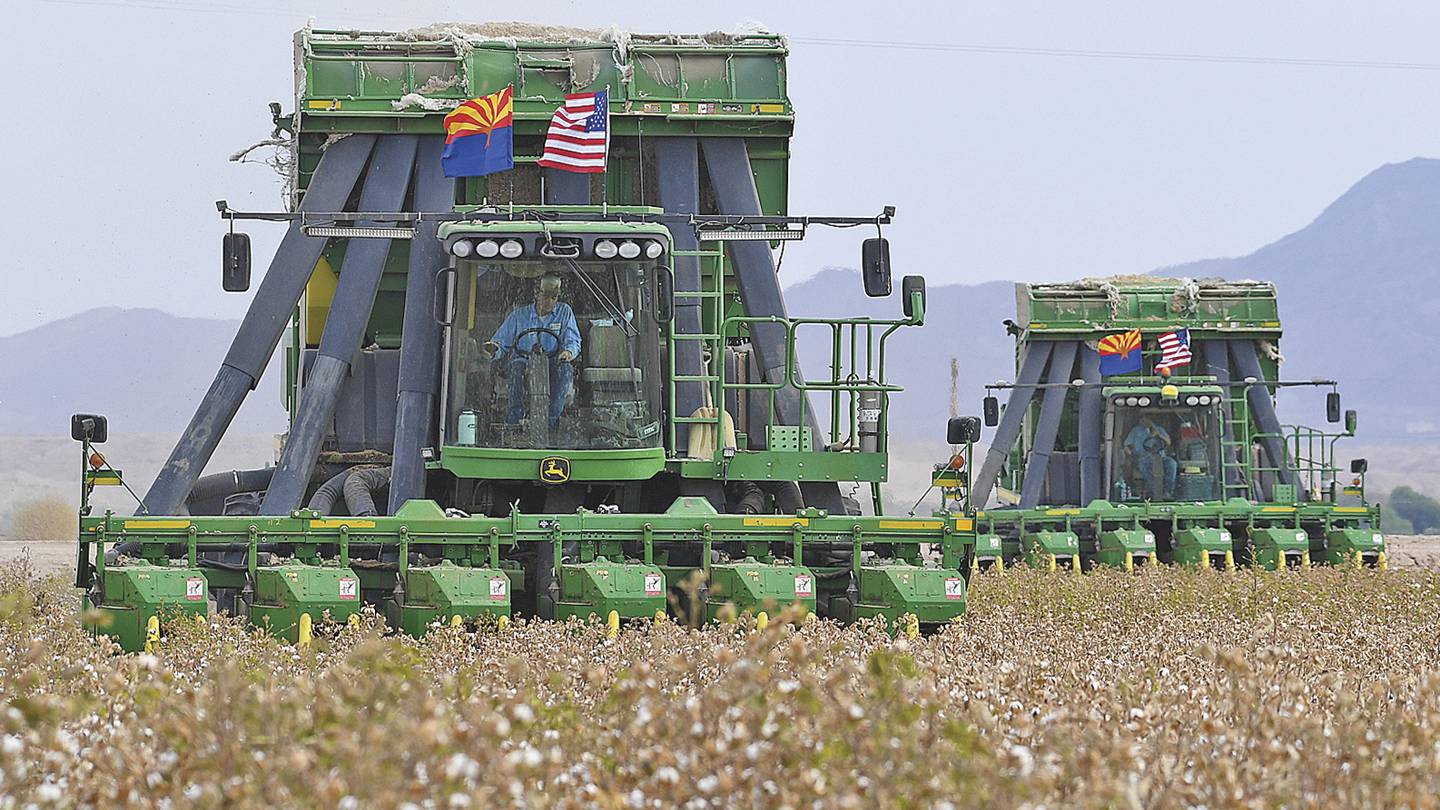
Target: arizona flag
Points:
(1120, 354)
(479, 137)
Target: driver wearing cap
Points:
(549, 325)
(1148, 443)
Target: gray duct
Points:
(1092, 417)
(677, 163)
(1052, 405)
(323, 500)
(759, 284)
(755, 274)
(386, 181)
(1217, 365)
(361, 487)
(420, 333)
(1246, 363)
(260, 332)
(1036, 356)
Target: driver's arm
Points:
(569, 332)
(505, 336)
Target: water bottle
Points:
(466, 428)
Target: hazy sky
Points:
(1003, 164)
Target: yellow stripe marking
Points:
(1062, 511)
(335, 524)
(772, 108)
(964, 524)
(912, 524)
(1277, 509)
(776, 521)
(1349, 509)
(157, 524)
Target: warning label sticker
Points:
(195, 589)
(954, 588)
(804, 585)
(349, 588)
(499, 586)
(654, 584)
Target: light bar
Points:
(359, 233)
(729, 235)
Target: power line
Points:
(1148, 56)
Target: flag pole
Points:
(605, 172)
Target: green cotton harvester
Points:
(537, 391)
(1184, 462)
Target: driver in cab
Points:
(549, 325)
(1149, 444)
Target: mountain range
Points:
(1358, 292)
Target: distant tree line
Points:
(1418, 509)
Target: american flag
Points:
(579, 133)
(1174, 349)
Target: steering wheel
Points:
(510, 351)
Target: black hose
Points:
(788, 499)
(218, 486)
(324, 498)
(361, 488)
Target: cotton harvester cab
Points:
(655, 449)
(1187, 464)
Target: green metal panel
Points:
(1114, 544)
(502, 464)
(135, 593)
(284, 592)
(752, 586)
(1199, 545)
(440, 592)
(633, 590)
(932, 595)
(1342, 546)
(1217, 307)
(1275, 547)
(1041, 546)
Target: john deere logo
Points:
(554, 470)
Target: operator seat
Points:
(608, 371)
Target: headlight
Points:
(511, 248)
(1118, 401)
(1132, 401)
(488, 249)
(1192, 400)
(629, 250)
(605, 249)
(653, 250)
(1144, 401)
(461, 248)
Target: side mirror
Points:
(991, 410)
(665, 303)
(962, 430)
(875, 266)
(909, 285)
(1332, 406)
(235, 262)
(90, 427)
(1352, 420)
(1359, 466)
